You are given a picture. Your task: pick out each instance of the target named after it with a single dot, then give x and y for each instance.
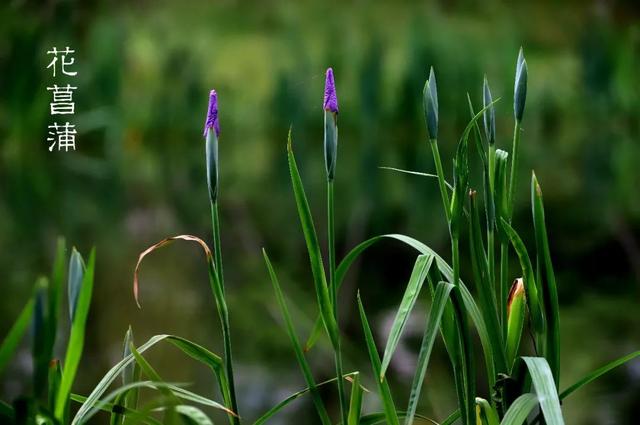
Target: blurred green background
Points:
(145, 70)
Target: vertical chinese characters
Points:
(62, 136)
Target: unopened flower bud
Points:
(430, 103)
(489, 117)
(516, 305)
(330, 106)
(520, 89)
(211, 145)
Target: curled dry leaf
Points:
(160, 244)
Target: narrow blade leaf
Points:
(302, 361)
(418, 276)
(76, 338)
(440, 298)
(545, 388)
(383, 386)
(520, 409)
(313, 248)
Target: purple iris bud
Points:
(212, 115)
(330, 98)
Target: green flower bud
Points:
(501, 190)
(489, 117)
(520, 89)
(516, 306)
(430, 103)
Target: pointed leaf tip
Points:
(74, 283)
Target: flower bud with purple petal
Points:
(211, 133)
(330, 106)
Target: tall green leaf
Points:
(76, 337)
(355, 404)
(383, 386)
(545, 389)
(191, 349)
(284, 403)
(302, 361)
(447, 273)
(313, 248)
(598, 373)
(418, 276)
(12, 340)
(520, 409)
(485, 287)
(549, 288)
(440, 298)
(485, 413)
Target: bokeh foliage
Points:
(145, 70)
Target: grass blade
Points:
(485, 413)
(545, 388)
(94, 406)
(488, 304)
(383, 386)
(148, 370)
(226, 381)
(549, 288)
(193, 415)
(598, 373)
(284, 403)
(55, 376)
(418, 276)
(447, 273)
(76, 338)
(355, 404)
(416, 173)
(379, 418)
(192, 349)
(12, 340)
(313, 248)
(302, 361)
(440, 298)
(451, 418)
(520, 409)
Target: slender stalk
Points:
(514, 168)
(344, 408)
(332, 249)
(224, 315)
(491, 224)
(441, 182)
(466, 362)
(504, 285)
(215, 223)
(504, 248)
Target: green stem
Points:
(514, 168)
(441, 182)
(224, 314)
(467, 402)
(217, 250)
(334, 297)
(491, 224)
(504, 286)
(332, 249)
